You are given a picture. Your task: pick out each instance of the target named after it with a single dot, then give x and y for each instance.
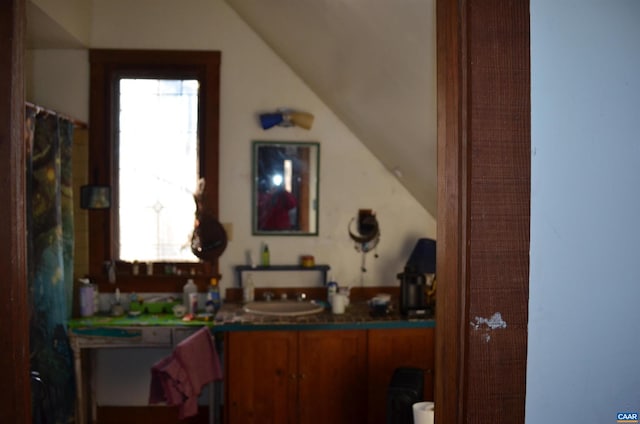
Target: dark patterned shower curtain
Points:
(50, 263)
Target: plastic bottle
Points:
(213, 297)
(87, 305)
(248, 289)
(187, 289)
(332, 289)
(266, 256)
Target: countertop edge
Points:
(355, 325)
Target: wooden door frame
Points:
(484, 143)
(454, 345)
(15, 403)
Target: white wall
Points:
(253, 79)
(58, 79)
(585, 204)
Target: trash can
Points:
(405, 389)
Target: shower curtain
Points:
(50, 262)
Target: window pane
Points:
(158, 168)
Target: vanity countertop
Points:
(232, 317)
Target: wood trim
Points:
(15, 384)
(484, 139)
(148, 414)
(105, 64)
(451, 229)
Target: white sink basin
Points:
(289, 308)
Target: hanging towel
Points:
(179, 378)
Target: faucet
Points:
(302, 297)
(267, 296)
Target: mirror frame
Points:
(314, 185)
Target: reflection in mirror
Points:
(285, 188)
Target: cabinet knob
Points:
(303, 376)
(292, 376)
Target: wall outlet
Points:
(228, 228)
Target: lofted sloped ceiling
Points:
(43, 32)
(373, 63)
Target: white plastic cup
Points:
(423, 412)
(339, 303)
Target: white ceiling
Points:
(371, 61)
(43, 32)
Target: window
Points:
(154, 133)
(155, 203)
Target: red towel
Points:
(179, 378)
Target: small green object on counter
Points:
(164, 307)
(266, 259)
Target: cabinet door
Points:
(332, 376)
(261, 377)
(393, 348)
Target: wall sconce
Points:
(95, 197)
(286, 118)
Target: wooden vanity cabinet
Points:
(261, 377)
(389, 349)
(296, 377)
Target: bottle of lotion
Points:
(187, 289)
(266, 260)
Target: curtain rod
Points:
(76, 123)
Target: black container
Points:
(413, 285)
(413, 298)
(405, 389)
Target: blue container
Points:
(268, 120)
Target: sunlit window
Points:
(157, 168)
(154, 135)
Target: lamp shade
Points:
(423, 257)
(301, 119)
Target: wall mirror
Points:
(285, 188)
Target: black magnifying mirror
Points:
(285, 188)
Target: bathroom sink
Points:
(289, 308)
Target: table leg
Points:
(92, 386)
(211, 403)
(77, 363)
